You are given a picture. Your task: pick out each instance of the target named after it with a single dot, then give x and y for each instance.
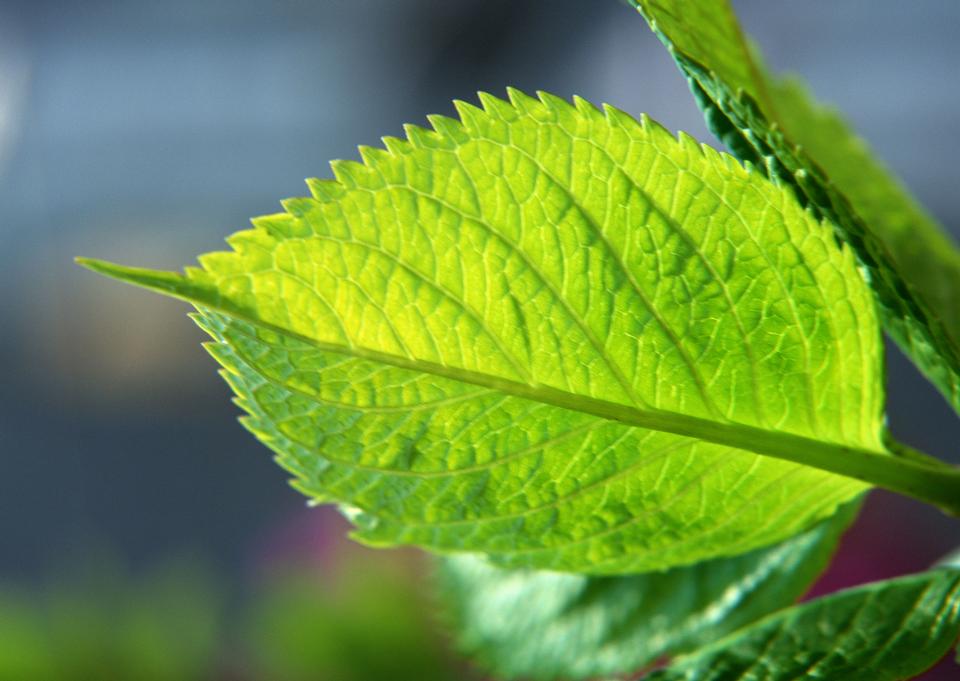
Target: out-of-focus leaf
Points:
(368, 623)
(104, 625)
(546, 625)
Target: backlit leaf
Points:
(912, 264)
(556, 336)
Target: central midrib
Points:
(938, 485)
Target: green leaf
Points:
(557, 336)
(545, 625)
(922, 250)
(365, 621)
(101, 624)
(912, 265)
(879, 632)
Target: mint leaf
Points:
(546, 625)
(880, 632)
(912, 265)
(559, 337)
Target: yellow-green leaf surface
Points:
(553, 335)
(887, 631)
(914, 268)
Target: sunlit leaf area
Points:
(655, 376)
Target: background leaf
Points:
(543, 334)
(884, 631)
(913, 266)
(921, 248)
(102, 624)
(546, 625)
(367, 622)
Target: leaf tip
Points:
(324, 189)
(444, 125)
(94, 264)
(654, 127)
(586, 107)
(468, 112)
(189, 286)
(421, 138)
(395, 145)
(131, 275)
(520, 100)
(373, 156)
(495, 106)
(553, 103)
(348, 173)
(688, 142)
(619, 117)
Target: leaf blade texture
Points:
(913, 265)
(886, 631)
(553, 335)
(590, 627)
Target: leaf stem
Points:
(907, 452)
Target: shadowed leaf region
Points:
(886, 631)
(591, 627)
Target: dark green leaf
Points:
(546, 625)
(885, 631)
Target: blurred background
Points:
(145, 132)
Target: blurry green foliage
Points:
(365, 619)
(369, 625)
(102, 624)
